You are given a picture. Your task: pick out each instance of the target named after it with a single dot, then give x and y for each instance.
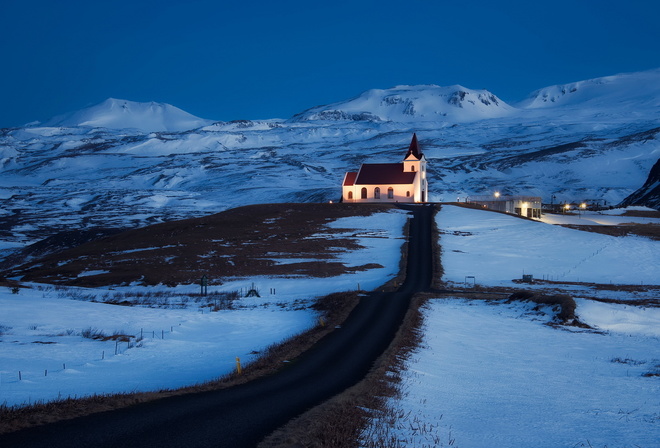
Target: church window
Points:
(364, 193)
(390, 193)
(350, 195)
(412, 167)
(407, 194)
(377, 193)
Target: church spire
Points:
(414, 149)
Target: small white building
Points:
(389, 182)
(529, 206)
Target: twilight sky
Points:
(227, 60)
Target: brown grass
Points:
(643, 213)
(237, 242)
(651, 231)
(563, 304)
(438, 271)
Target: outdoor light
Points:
(497, 194)
(583, 205)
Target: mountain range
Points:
(123, 164)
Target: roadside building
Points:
(529, 206)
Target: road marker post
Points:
(239, 370)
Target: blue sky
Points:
(271, 59)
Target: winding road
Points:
(242, 416)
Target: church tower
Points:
(416, 162)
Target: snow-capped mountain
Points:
(121, 114)
(113, 166)
(414, 103)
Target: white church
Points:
(389, 182)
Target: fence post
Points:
(239, 370)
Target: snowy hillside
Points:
(637, 91)
(125, 164)
(121, 114)
(414, 103)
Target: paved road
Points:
(242, 416)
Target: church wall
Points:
(398, 193)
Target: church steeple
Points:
(413, 150)
(415, 162)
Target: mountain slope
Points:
(638, 91)
(121, 114)
(649, 194)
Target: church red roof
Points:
(383, 174)
(349, 179)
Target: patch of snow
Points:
(91, 273)
(620, 318)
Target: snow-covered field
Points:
(495, 376)
(40, 328)
(496, 248)
(490, 374)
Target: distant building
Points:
(529, 206)
(389, 182)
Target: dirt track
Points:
(242, 416)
